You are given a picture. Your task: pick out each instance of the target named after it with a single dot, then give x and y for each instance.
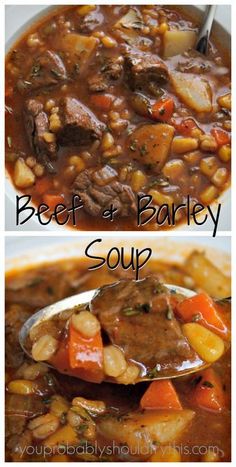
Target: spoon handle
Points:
(205, 31)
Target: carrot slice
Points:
(61, 362)
(186, 126)
(53, 200)
(85, 352)
(102, 101)
(201, 308)
(209, 393)
(43, 185)
(163, 109)
(221, 136)
(161, 395)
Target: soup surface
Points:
(54, 416)
(110, 103)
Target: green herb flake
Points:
(195, 381)
(138, 309)
(154, 373)
(143, 150)
(133, 146)
(35, 70)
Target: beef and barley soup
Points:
(78, 399)
(112, 102)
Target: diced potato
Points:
(193, 90)
(206, 343)
(151, 144)
(141, 430)
(23, 176)
(79, 47)
(178, 42)
(207, 276)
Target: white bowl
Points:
(18, 19)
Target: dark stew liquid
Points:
(112, 102)
(57, 417)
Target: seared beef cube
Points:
(97, 83)
(140, 321)
(90, 22)
(99, 188)
(143, 68)
(79, 126)
(47, 70)
(113, 67)
(110, 70)
(37, 128)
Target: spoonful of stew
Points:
(128, 332)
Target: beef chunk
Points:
(79, 126)
(90, 22)
(140, 321)
(36, 125)
(110, 70)
(112, 67)
(98, 83)
(99, 188)
(143, 68)
(47, 70)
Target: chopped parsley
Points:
(154, 372)
(138, 309)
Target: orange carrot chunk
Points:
(62, 363)
(201, 308)
(160, 395)
(163, 109)
(209, 393)
(53, 200)
(102, 101)
(85, 352)
(221, 136)
(186, 126)
(43, 185)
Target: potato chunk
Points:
(23, 176)
(140, 430)
(207, 276)
(151, 144)
(177, 42)
(193, 90)
(79, 47)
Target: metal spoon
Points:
(83, 299)
(205, 31)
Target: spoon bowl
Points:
(80, 301)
